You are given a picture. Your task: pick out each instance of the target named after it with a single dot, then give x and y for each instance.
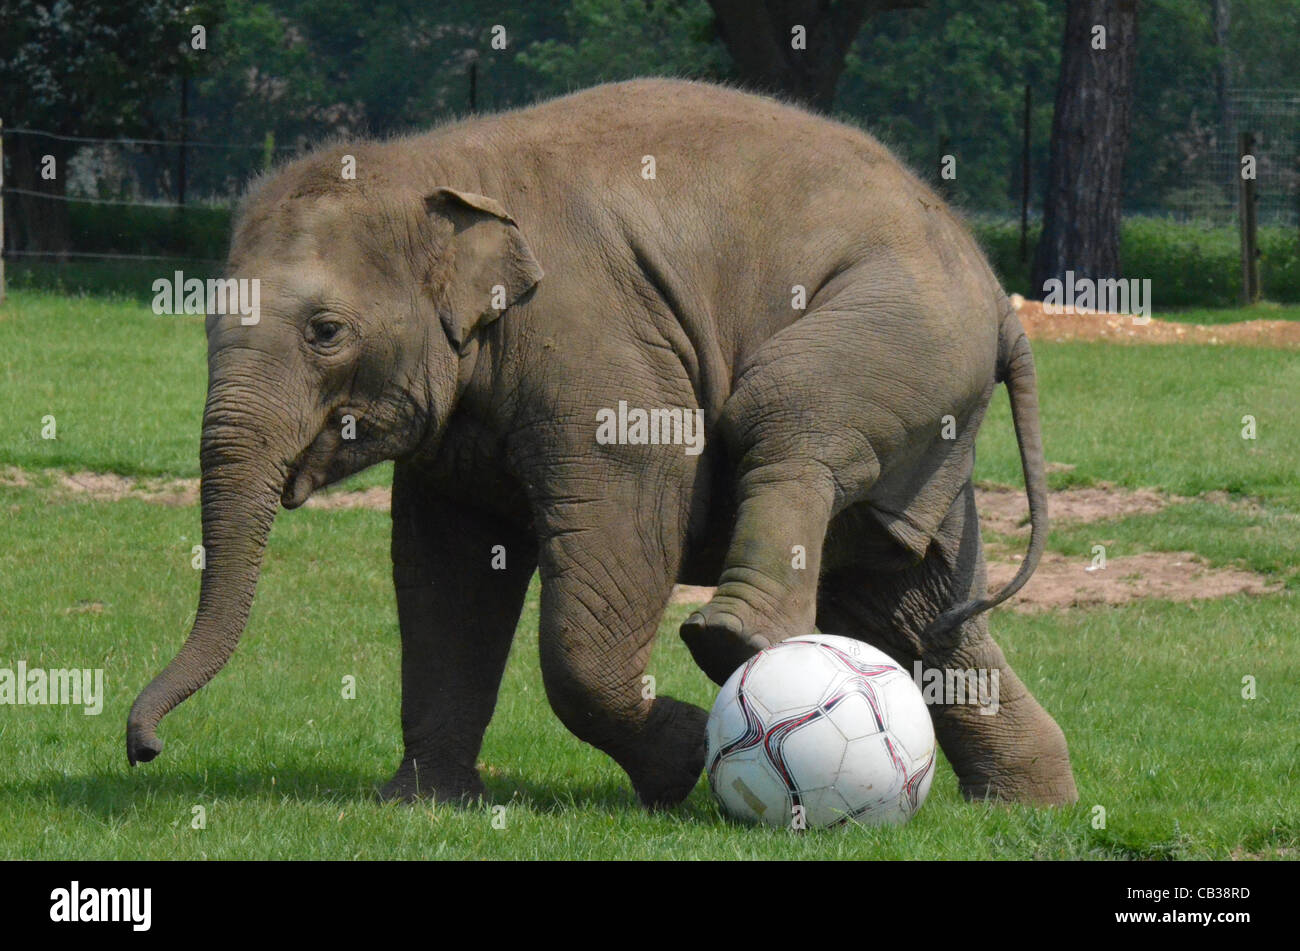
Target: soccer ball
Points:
(819, 731)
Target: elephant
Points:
(477, 301)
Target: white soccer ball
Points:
(819, 731)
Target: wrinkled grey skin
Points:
(824, 424)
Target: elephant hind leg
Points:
(1000, 741)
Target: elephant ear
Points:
(488, 267)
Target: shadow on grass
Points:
(549, 797)
(113, 792)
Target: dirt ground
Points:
(1120, 328)
(1069, 582)
(1059, 582)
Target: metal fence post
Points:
(1250, 289)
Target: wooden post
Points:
(1024, 180)
(2, 211)
(268, 150)
(1246, 207)
(473, 84)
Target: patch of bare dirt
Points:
(377, 497)
(1064, 582)
(1239, 854)
(1121, 328)
(691, 594)
(1004, 511)
(111, 487)
(14, 477)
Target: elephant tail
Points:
(1016, 370)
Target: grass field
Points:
(1149, 694)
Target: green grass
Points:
(284, 766)
(126, 389)
(1265, 310)
(1167, 417)
(1149, 694)
(1265, 540)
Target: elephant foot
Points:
(1017, 755)
(669, 754)
(728, 631)
(411, 783)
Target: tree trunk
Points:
(759, 35)
(1090, 134)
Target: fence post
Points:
(2, 212)
(1250, 289)
(181, 170)
(1024, 180)
(473, 84)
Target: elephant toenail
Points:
(729, 622)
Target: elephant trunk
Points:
(243, 478)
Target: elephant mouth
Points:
(298, 486)
(322, 462)
(306, 474)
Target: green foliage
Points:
(196, 231)
(609, 40)
(1188, 264)
(949, 74)
(92, 68)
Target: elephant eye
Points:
(325, 331)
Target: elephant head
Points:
(371, 303)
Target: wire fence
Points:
(1209, 163)
(128, 198)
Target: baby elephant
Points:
(534, 314)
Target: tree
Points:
(770, 55)
(610, 40)
(1090, 133)
(84, 69)
(893, 82)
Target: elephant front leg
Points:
(801, 432)
(604, 588)
(768, 588)
(458, 603)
